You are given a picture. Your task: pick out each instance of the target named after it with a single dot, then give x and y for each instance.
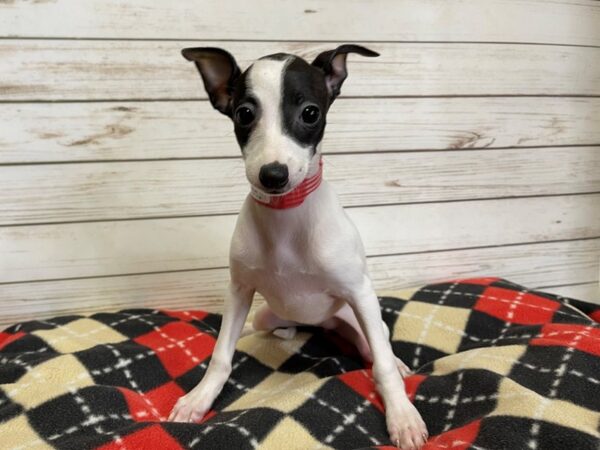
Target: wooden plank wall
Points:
(470, 147)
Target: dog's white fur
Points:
(309, 264)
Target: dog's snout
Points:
(273, 175)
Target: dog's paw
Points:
(404, 370)
(405, 426)
(285, 333)
(193, 406)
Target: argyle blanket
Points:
(497, 366)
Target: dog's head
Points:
(278, 107)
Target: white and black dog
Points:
(293, 242)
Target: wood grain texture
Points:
(561, 22)
(531, 265)
(588, 292)
(101, 70)
(126, 190)
(469, 101)
(158, 130)
(138, 246)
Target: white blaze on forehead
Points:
(268, 142)
(265, 83)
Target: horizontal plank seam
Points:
(511, 95)
(308, 41)
(114, 275)
(329, 154)
(196, 269)
(568, 284)
(373, 205)
(507, 197)
(479, 247)
(348, 97)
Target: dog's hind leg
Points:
(266, 320)
(345, 323)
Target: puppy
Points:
(293, 242)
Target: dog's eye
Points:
(310, 114)
(244, 115)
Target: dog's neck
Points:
(296, 196)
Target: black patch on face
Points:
(303, 85)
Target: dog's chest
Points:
(296, 258)
(291, 285)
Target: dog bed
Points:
(497, 366)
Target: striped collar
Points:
(293, 198)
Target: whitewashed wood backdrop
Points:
(470, 147)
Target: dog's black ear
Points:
(219, 72)
(333, 64)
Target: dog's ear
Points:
(219, 72)
(333, 64)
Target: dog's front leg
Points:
(195, 404)
(404, 423)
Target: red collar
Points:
(293, 198)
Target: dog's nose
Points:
(273, 175)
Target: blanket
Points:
(497, 366)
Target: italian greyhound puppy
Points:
(293, 242)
